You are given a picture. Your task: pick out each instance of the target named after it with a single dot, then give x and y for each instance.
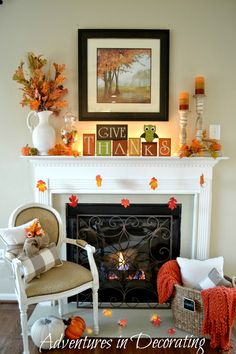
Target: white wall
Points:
(202, 42)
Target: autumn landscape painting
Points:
(123, 75)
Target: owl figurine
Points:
(149, 133)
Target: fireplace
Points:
(131, 245)
(129, 176)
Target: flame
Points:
(122, 263)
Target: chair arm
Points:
(19, 279)
(80, 243)
(90, 250)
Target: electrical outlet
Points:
(2, 252)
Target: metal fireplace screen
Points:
(131, 245)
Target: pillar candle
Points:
(199, 85)
(183, 101)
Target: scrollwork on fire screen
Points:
(129, 252)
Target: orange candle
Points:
(199, 85)
(183, 101)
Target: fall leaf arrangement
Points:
(40, 90)
(197, 148)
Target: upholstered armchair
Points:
(59, 282)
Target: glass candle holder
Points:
(69, 132)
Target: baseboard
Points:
(7, 297)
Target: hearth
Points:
(131, 245)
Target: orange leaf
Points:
(202, 180)
(99, 180)
(73, 201)
(89, 330)
(107, 313)
(125, 203)
(172, 203)
(196, 146)
(171, 331)
(153, 183)
(34, 105)
(155, 319)
(35, 229)
(184, 151)
(122, 323)
(41, 185)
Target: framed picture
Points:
(123, 75)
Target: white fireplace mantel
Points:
(131, 175)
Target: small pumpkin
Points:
(33, 151)
(44, 327)
(216, 146)
(76, 327)
(25, 150)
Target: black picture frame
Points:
(92, 40)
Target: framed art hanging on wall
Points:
(123, 75)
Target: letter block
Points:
(164, 147)
(149, 149)
(134, 146)
(103, 148)
(120, 148)
(88, 144)
(112, 132)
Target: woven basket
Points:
(187, 309)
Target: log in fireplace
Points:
(131, 245)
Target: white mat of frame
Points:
(138, 321)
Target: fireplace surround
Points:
(131, 175)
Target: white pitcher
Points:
(43, 134)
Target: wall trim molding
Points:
(8, 297)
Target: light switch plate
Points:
(2, 252)
(214, 131)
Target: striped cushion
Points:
(214, 279)
(46, 259)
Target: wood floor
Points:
(11, 343)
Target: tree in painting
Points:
(123, 75)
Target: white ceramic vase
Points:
(43, 134)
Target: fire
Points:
(121, 261)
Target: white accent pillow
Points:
(194, 270)
(14, 237)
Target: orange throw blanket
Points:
(168, 276)
(219, 313)
(219, 305)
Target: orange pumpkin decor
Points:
(25, 151)
(29, 151)
(76, 327)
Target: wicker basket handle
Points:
(234, 281)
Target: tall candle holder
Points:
(183, 120)
(199, 110)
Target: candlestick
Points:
(183, 120)
(199, 110)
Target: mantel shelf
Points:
(141, 158)
(173, 161)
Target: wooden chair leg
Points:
(95, 311)
(24, 329)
